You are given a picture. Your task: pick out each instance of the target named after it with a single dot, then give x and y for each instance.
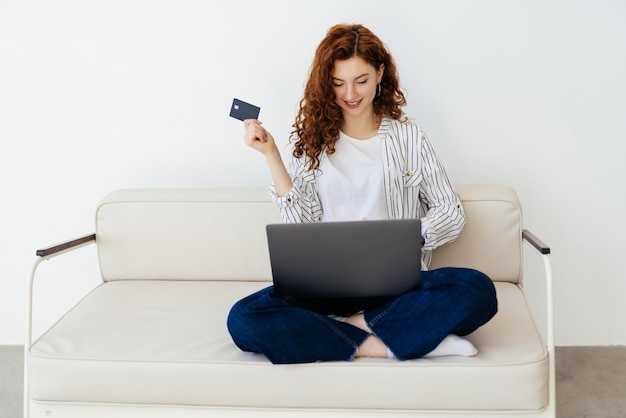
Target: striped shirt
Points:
(414, 180)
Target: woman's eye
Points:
(362, 82)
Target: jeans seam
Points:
(329, 323)
(381, 315)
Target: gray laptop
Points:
(356, 259)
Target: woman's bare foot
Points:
(372, 347)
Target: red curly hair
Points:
(319, 118)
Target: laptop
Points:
(353, 259)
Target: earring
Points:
(378, 90)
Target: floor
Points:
(590, 382)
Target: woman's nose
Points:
(350, 93)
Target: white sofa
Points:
(151, 339)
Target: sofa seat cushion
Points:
(166, 342)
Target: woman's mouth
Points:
(353, 105)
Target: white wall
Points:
(96, 96)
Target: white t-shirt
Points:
(350, 186)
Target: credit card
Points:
(242, 110)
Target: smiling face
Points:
(354, 83)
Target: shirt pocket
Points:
(412, 178)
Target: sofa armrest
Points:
(535, 242)
(42, 255)
(46, 254)
(544, 251)
(65, 246)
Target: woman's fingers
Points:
(248, 122)
(254, 131)
(258, 137)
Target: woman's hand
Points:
(258, 137)
(261, 140)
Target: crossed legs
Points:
(451, 302)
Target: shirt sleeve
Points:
(444, 218)
(300, 204)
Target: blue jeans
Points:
(287, 330)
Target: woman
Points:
(356, 156)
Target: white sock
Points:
(453, 345)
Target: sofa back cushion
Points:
(491, 240)
(219, 234)
(185, 234)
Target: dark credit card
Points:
(242, 110)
